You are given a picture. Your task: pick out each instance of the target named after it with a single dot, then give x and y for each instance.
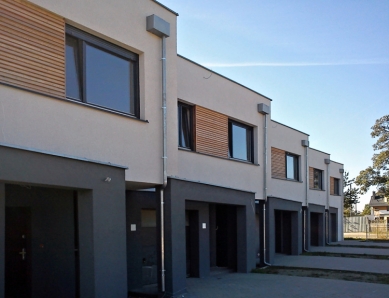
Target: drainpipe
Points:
(264, 110)
(327, 162)
(342, 207)
(161, 28)
(305, 143)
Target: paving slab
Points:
(333, 263)
(351, 250)
(254, 285)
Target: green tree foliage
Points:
(377, 174)
(366, 210)
(351, 194)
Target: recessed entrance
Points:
(223, 236)
(283, 229)
(315, 228)
(41, 243)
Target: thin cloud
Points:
(296, 64)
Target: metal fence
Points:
(362, 227)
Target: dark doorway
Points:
(226, 238)
(17, 252)
(283, 228)
(315, 228)
(46, 218)
(334, 234)
(192, 243)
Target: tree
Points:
(351, 194)
(366, 210)
(377, 174)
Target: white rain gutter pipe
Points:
(264, 110)
(305, 143)
(161, 28)
(327, 162)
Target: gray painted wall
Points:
(285, 205)
(103, 270)
(177, 193)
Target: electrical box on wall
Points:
(263, 109)
(305, 143)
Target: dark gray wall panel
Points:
(109, 278)
(2, 240)
(285, 205)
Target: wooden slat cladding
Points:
(278, 167)
(311, 177)
(332, 186)
(32, 48)
(211, 133)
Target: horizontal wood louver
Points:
(211, 133)
(332, 186)
(311, 177)
(32, 48)
(278, 167)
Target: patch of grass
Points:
(326, 273)
(344, 255)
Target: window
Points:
(292, 169)
(101, 73)
(240, 141)
(317, 179)
(185, 139)
(336, 186)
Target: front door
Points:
(18, 252)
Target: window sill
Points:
(76, 102)
(335, 195)
(290, 180)
(85, 104)
(317, 189)
(230, 159)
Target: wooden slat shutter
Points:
(278, 167)
(310, 177)
(32, 48)
(332, 186)
(211, 133)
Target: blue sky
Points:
(325, 64)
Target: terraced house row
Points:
(123, 164)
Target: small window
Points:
(336, 187)
(101, 73)
(185, 135)
(240, 141)
(292, 169)
(317, 179)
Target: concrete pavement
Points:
(255, 285)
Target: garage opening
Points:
(223, 237)
(334, 227)
(41, 242)
(315, 228)
(283, 229)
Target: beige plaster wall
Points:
(54, 125)
(288, 139)
(199, 86)
(316, 160)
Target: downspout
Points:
(342, 206)
(264, 110)
(164, 162)
(305, 143)
(161, 28)
(327, 161)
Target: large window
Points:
(292, 169)
(317, 179)
(101, 73)
(336, 187)
(240, 143)
(185, 126)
